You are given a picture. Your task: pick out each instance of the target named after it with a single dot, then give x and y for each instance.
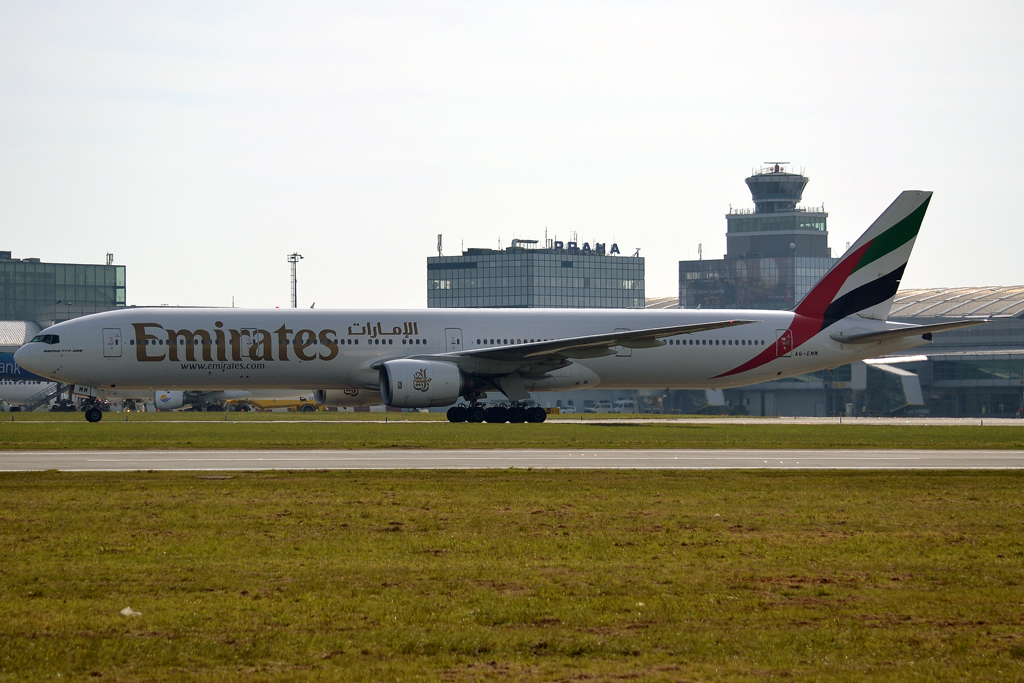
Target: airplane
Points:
(437, 357)
(16, 391)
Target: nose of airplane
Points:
(29, 357)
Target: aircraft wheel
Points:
(517, 415)
(536, 414)
(496, 415)
(457, 414)
(474, 414)
(93, 415)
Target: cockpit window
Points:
(47, 338)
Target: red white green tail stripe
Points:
(865, 280)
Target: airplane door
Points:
(622, 351)
(783, 343)
(111, 342)
(453, 339)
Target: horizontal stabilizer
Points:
(911, 331)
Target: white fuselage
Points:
(16, 391)
(214, 349)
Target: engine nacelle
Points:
(420, 383)
(347, 398)
(168, 400)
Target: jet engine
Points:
(347, 398)
(409, 383)
(168, 400)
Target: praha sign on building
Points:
(574, 248)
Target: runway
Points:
(226, 460)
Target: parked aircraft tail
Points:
(865, 280)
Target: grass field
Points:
(321, 434)
(512, 575)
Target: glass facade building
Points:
(50, 292)
(524, 277)
(765, 283)
(776, 251)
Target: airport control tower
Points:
(775, 252)
(776, 227)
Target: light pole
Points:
(294, 260)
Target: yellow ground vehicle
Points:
(277, 404)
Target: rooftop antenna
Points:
(700, 252)
(779, 166)
(110, 259)
(439, 246)
(637, 254)
(294, 260)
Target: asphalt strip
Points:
(648, 459)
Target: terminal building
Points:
(973, 372)
(48, 293)
(775, 252)
(524, 275)
(778, 251)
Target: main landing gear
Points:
(496, 414)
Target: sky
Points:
(203, 142)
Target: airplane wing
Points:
(591, 346)
(543, 356)
(910, 331)
(506, 366)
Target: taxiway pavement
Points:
(230, 460)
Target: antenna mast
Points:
(439, 246)
(294, 260)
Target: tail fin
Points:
(866, 279)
